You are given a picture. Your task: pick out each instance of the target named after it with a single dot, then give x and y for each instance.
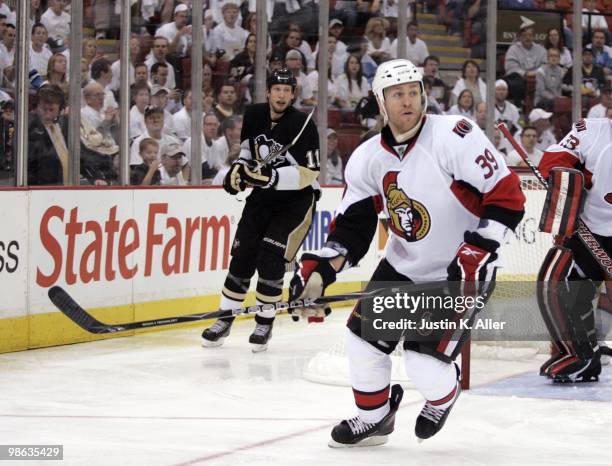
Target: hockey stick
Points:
(585, 235)
(65, 303)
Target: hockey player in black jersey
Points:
(278, 213)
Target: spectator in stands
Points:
(207, 77)
(39, 51)
(294, 40)
(529, 138)
(332, 88)
(178, 32)
(243, 65)
(154, 122)
(48, 155)
(540, 120)
(115, 84)
(335, 29)
(159, 75)
(470, 79)
(229, 142)
(147, 173)
(480, 115)
(433, 107)
(102, 74)
(56, 72)
(379, 46)
(170, 172)
(85, 77)
(304, 95)
(522, 60)
(593, 78)
(159, 99)
(439, 89)
(548, 80)
(226, 99)
(216, 8)
(182, 119)
(102, 118)
(250, 25)
(352, 86)
(335, 168)
(57, 21)
(7, 48)
(505, 111)
(159, 54)
(416, 49)
(11, 17)
(2, 26)
(590, 17)
(602, 54)
(141, 96)
(359, 48)
(211, 154)
(141, 74)
(464, 106)
(600, 110)
(228, 37)
(7, 129)
(497, 142)
(555, 39)
(89, 50)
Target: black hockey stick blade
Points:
(64, 302)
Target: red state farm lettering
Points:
(89, 250)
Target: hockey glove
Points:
(264, 177)
(233, 182)
(313, 275)
(472, 271)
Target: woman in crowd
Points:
(90, 49)
(352, 86)
(243, 64)
(470, 79)
(379, 44)
(56, 72)
(332, 88)
(556, 40)
(464, 106)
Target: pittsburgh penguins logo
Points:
(409, 219)
(263, 147)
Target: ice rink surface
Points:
(161, 399)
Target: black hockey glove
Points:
(473, 268)
(233, 183)
(264, 177)
(313, 275)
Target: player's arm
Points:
(234, 181)
(305, 152)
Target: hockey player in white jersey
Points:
(450, 199)
(588, 148)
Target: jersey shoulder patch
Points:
(581, 125)
(462, 127)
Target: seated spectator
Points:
(292, 39)
(7, 48)
(480, 115)
(593, 77)
(154, 122)
(439, 89)
(226, 99)
(57, 21)
(352, 86)
(548, 80)
(590, 19)
(89, 50)
(416, 49)
(470, 79)
(178, 32)
(335, 29)
(332, 88)
(601, 109)
(102, 74)
(211, 154)
(159, 75)
(207, 77)
(159, 99)
(39, 51)
(208, 100)
(141, 96)
(216, 9)
(147, 173)
(141, 74)
(540, 120)
(171, 170)
(7, 129)
(528, 142)
(56, 72)
(11, 16)
(522, 60)
(115, 84)
(335, 169)
(243, 64)
(228, 37)
(229, 142)
(101, 118)
(505, 111)
(602, 54)
(497, 142)
(555, 39)
(433, 107)
(250, 25)
(379, 46)
(304, 95)
(182, 119)
(359, 48)
(159, 54)
(464, 106)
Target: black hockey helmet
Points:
(282, 76)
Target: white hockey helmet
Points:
(394, 72)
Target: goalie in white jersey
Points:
(587, 148)
(450, 199)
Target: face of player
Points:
(149, 154)
(280, 97)
(211, 126)
(404, 106)
(230, 15)
(501, 93)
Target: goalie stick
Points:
(585, 235)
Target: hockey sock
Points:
(434, 379)
(226, 304)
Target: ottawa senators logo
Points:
(608, 198)
(581, 125)
(409, 218)
(462, 128)
(263, 147)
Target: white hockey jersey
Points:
(588, 147)
(433, 189)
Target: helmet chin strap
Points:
(411, 132)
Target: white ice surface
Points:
(161, 399)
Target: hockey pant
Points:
(268, 236)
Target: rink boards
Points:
(137, 254)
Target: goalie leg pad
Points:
(564, 201)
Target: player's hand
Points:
(233, 183)
(473, 267)
(252, 174)
(313, 275)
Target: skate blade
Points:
(212, 344)
(368, 442)
(571, 380)
(255, 348)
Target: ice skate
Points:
(575, 370)
(260, 337)
(431, 418)
(216, 334)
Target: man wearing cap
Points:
(228, 37)
(304, 93)
(56, 20)
(154, 121)
(159, 52)
(159, 98)
(522, 60)
(504, 110)
(178, 32)
(171, 166)
(278, 212)
(540, 120)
